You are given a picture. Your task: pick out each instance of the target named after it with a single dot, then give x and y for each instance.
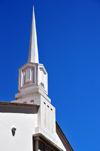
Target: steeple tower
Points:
(32, 115)
(33, 47)
(33, 78)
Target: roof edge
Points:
(17, 104)
(69, 147)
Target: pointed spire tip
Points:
(33, 47)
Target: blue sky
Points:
(68, 33)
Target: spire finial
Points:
(33, 47)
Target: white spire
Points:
(33, 47)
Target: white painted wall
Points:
(27, 122)
(24, 124)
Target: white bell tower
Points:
(32, 76)
(33, 88)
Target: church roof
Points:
(9, 107)
(17, 104)
(63, 138)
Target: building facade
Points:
(29, 122)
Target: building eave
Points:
(17, 104)
(45, 140)
(9, 107)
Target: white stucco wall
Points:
(26, 121)
(24, 124)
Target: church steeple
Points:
(33, 77)
(33, 47)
